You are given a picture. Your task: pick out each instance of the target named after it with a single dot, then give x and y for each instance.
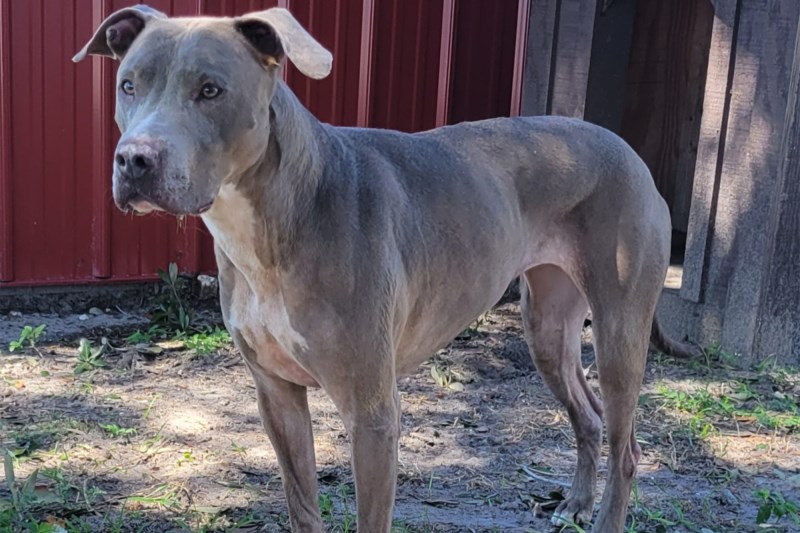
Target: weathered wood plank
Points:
(711, 146)
(695, 54)
(539, 48)
(666, 81)
(365, 69)
(445, 62)
(748, 177)
(573, 57)
(608, 72)
(523, 18)
(779, 314)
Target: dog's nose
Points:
(136, 160)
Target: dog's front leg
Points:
(286, 418)
(371, 413)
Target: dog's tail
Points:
(663, 343)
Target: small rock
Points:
(728, 498)
(15, 314)
(706, 530)
(83, 317)
(96, 311)
(481, 429)
(209, 286)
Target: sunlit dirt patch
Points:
(171, 440)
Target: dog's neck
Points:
(276, 194)
(294, 159)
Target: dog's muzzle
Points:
(137, 165)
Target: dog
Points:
(347, 256)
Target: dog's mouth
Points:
(204, 208)
(142, 205)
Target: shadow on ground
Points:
(173, 442)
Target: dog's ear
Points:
(116, 34)
(275, 33)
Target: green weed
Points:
(473, 330)
(208, 342)
(187, 458)
(146, 337)
(645, 519)
(16, 514)
(775, 505)
(28, 338)
(90, 358)
(571, 526)
(446, 377)
(116, 431)
(163, 495)
(715, 353)
(173, 311)
(150, 404)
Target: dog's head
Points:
(193, 97)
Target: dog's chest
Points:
(262, 317)
(263, 323)
(257, 309)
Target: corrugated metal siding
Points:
(6, 204)
(50, 210)
(406, 64)
(58, 224)
(483, 66)
(336, 24)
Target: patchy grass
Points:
(39, 435)
(667, 516)
(116, 431)
(337, 507)
(208, 342)
(152, 333)
(160, 432)
(736, 402)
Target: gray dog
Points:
(347, 256)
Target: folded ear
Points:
(275, 33)
(116, 34)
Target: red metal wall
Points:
(403, 64)
(483, 60)
(406, 70)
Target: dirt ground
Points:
(163, 438)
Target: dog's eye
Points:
(127, 87)
(210, 91)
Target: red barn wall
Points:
(402, 64)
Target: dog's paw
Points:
(572, 511)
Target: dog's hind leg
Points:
(553, 311)
(621, 332)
